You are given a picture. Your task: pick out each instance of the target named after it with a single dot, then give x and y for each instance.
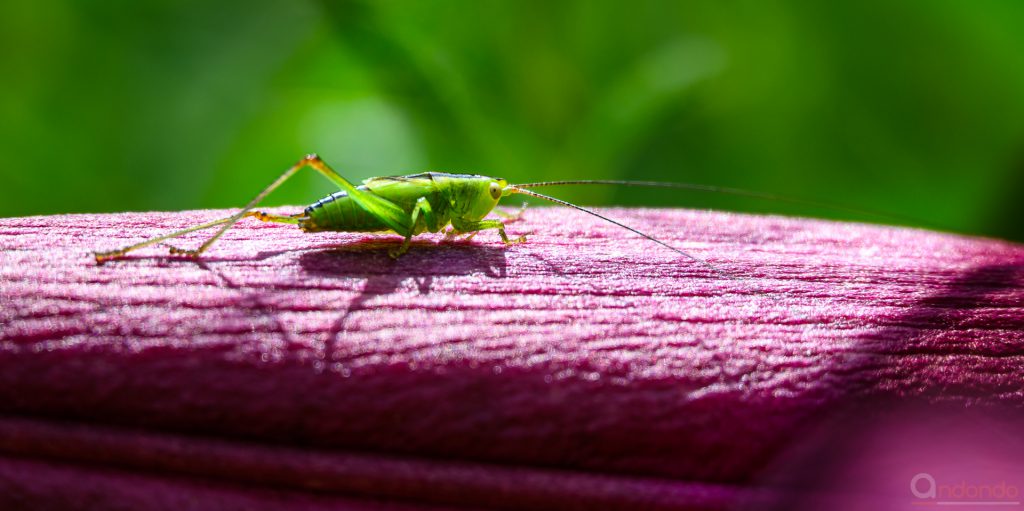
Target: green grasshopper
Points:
(409, 205)
(406, 205)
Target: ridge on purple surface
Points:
(584, 349)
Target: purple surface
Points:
(585, 352)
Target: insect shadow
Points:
(383, 274)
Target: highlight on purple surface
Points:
(584, 369)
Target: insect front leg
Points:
(487, 224)
(512, 217)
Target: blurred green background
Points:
(914, 108)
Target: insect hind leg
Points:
(102, 257)
(268, 217)
(258, 215)
(312, 160)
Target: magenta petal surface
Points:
(586, 367)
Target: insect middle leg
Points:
(423, 211)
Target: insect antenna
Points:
(518, 189)
(733, 191)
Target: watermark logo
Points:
(962, 493)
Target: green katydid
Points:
(410, 205)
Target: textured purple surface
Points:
(586, 361)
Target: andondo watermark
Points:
(963, 493)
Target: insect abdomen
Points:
(338, 212)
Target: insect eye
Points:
(495, 191)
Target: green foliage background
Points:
(914, 108)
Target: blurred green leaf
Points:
(916, 108)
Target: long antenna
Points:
(517, 189)
(730, 191)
